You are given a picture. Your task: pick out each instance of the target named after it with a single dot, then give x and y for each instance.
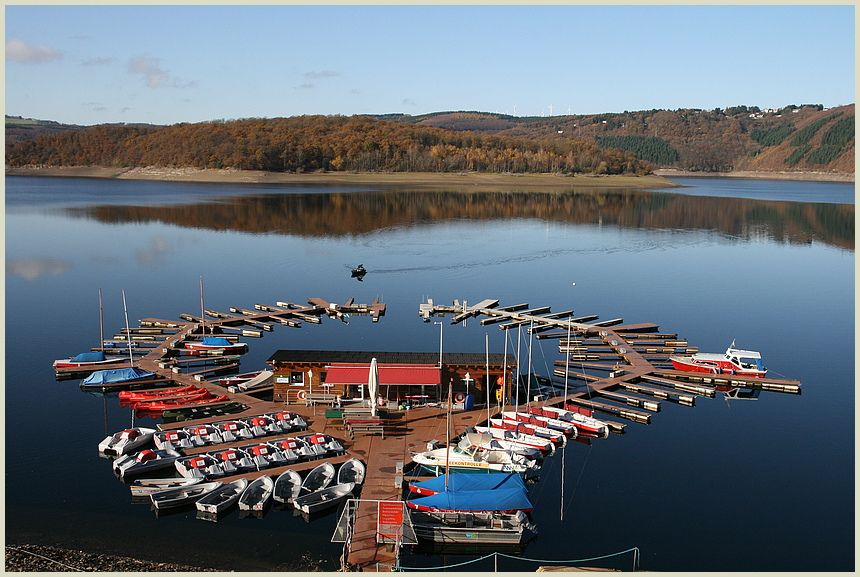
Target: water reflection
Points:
(357, 213)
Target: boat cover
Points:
(216, 342)
(503, 499)
(472, 482)
(109, 376)
(90, 357)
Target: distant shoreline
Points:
(433, 180)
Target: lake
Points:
(740, 485)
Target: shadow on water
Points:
(360, 213)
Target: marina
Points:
(387, 442)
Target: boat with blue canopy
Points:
(467, 482)
(112, 378)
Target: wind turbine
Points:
(550, 109)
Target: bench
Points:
(364, 426)
(320, 399)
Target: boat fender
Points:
(460, 398)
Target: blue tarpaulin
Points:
(110, 376)
(89, 357)
(216, 341)
(472, 482)
(504, 499)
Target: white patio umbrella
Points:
(373, 385)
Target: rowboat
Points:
(216, 343)
(179, 496)
(145, 487)
(287, 487)
(144, 461)
(222, 497)
(352, 471)
(323, 498)
(204, 398)
(157, 393)
(319, 478)
(126, 441)
(256, 494)
(732, 362)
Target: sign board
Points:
(389, 520)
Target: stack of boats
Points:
(156, 401)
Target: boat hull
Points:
(466, 528)
(691, 365)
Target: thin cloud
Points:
(98, 61)
(304, 86)
(409, 102)
(322, 74)
(19, 51)
(153, 75)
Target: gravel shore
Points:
(40, 558)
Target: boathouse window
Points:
(297, 378)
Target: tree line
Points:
(318, 143)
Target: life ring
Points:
(303, 394)
(460, 398)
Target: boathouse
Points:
(418, 376)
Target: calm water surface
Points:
(764, 485)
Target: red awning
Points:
(349, 374)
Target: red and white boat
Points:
(521, 438)
(216, 344)
(581, 417)
(555, 436)
(541, 421)
(237, 379)
(166, 405)
(157, 393)
(732, 362)
(88, 360)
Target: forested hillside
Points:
(796, 138)
(312, 143)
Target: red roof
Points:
(352, 374)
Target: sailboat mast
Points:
(487, 347)
(127, 330)
(101, 323)
(202, 310)
(448, 437)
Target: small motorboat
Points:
(523, 439)
(288, 421)
(533, 417)
(320, 445)
(203, 466)
(319, 478)
(145, 487)
(534, 430)
(88, 360)
(234, 380)
(234, 431)
(216, 343)
(126, 441)
(732, 362)
(264, 456)
(144, 461)
(323, 498)
(117, 379)
(581, 417)
(233, 461)
(288, 447)
(287, 487)
(179, 496)
(222, 497)
(359, 272)
(176, 439)
(256, 494)
(352, 471)
(263, 426)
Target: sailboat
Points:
(90, 360)
(212, 343)
(115, 379)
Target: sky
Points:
(161, 64)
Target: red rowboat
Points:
(158, 393)
(167, 405)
